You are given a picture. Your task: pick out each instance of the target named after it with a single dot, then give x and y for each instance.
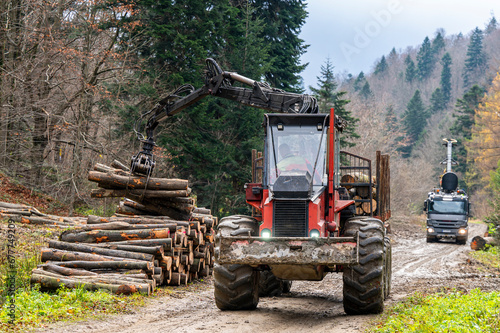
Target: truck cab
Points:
(447, 210)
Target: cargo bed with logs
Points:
(304, 223)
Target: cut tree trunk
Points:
(99, 236)
(100, 250)
(137, 182)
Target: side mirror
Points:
(425, 205)
(468, 208)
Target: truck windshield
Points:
(297, 148)
(447, 207)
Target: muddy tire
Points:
(236, 287)
(431, 239)
(387, 266)
(364, 282)
(461, 241)
(270, 285)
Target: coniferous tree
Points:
(491, 26)
(393, 55)
(437, 101)
(475, 62)
(328, 97)
(462, 127)
(414, 121)
(425, 60)
(366, 91)
(411, 70)
(359, 82)
(282, 24)
(438, 44)
(446, 77)
(381, 66)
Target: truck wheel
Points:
(431, 239)
(364, 282)
(236, 287)
(270, 285)
(461, 241)
(388, 266)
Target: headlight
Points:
(430, 230)
(314, 233)
(266, 233)
(462, 231)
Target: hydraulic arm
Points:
(217, 83)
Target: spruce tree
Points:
(366, 91)
(438, 44)
(475, 62)
(411, 70)
(462, 127)
(437, 101)
(359, 82)
(446, 77)
(491, 26)
(414, 122)
(425, 60)
(328, 97)
(282, 21)
(381, 67)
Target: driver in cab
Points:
(289, 161)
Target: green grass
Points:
(35, 309)
(476, 311)
(490, 256)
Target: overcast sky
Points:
(355, 33)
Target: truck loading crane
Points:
(303, 226)
(447, 207)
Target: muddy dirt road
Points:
(310, 306)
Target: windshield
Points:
(297, 148)
(447, 207)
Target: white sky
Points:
(356, 33)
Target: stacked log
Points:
(361, 193)
(480, 243)
(30, 215)
(159, 237)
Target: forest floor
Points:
(310, 306)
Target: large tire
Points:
(236, 287)
(364, 282)
(270, 285)
(387, 266)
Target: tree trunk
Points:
(99, 236)
(100, 251)
(137, 182)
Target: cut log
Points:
(63, 255)
(479, 243)
(104, 226)
(137, 182)
(165, 242)
(89, 265)
(99, 236)
(157, 251)
(365, 206)
(149, 194)
(67, 271)
(119, 165)
(100, 251)
(201, 210)
(54, 283)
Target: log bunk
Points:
(157, 237)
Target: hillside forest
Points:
(75, 76)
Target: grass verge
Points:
(489, 257)
(36, 309)
(453, 311)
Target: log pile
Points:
(30, 215)
(361, 193)
(159, 237)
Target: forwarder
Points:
(303, 226)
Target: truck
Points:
(303, 222)
(447, 207)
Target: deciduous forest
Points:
(76, 75)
